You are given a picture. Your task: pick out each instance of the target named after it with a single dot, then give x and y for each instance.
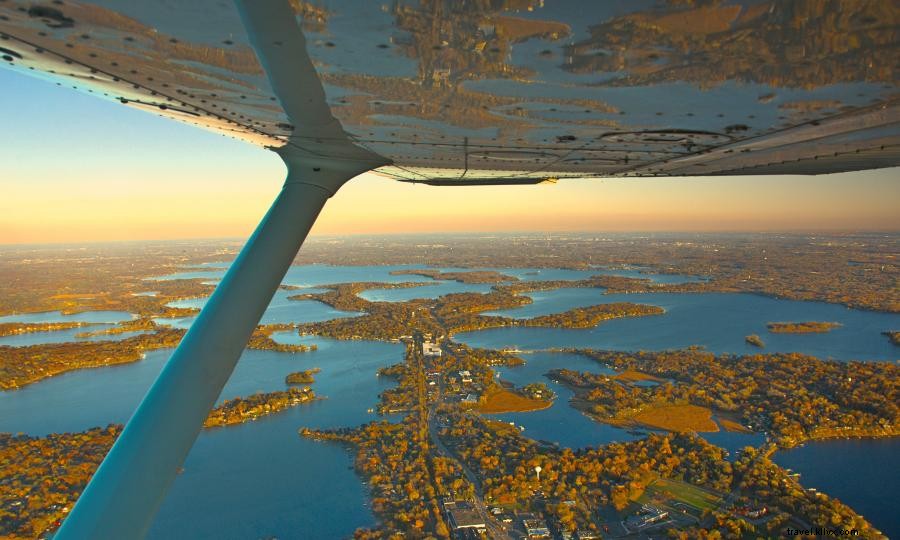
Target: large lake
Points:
(261, 479)
(717, 321)
(255, 480)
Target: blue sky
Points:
(79, 168)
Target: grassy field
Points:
(677, 418)
(671, 491)
(634, 376)
(732, 425)
(503, 401)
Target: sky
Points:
(74, 168)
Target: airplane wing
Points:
(443, 92)
(504, 91)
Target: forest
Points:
(792, 397)
(618, 474)
(246, 409)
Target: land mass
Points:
(808, 327)
(755, 340)
(240, 410)
(791, 397)
(302, 377)
(443, 451)
(476, 276)
(20, 366)
(15, 328)
(506, 401)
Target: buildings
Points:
(535, 527)
(463, 519)
(431, 350)
(648, 515)
(470, 399)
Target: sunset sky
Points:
(74, 168)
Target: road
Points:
(763, 452)
(495, 530)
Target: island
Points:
(302, 377)
(755, 340)
(261, 339)
(475, 276)
(140, 324)
(809, 327)
(240, 410)
(20, 366)
(15, 328)
(591, 316)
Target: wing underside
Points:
(507, 91)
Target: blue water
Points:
(853, 471)
(248, 481)
(96, 319)
(261, 479)
(323, 274)
(862, 473)
(555, 301)
(559, 423)
(317, 274)
(566, 426)
(442, 287)
(564, 274)
(717, 321)
(439, 288)
(639, 272)
(63, 336)
(280, 310)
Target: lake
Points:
(261, 479)
(280, 310)
(562, 424)
(862, 473)
(253, 480)
(717, 321)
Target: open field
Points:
(731, 425)
(674, 491)
(504, 401)
(677, 418)
(631, 375)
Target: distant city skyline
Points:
(79, 169)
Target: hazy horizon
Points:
(473, 234)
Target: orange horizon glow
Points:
(183, 207)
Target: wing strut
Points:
(124, 494)
(131, 483)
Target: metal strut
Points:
(131, 483)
